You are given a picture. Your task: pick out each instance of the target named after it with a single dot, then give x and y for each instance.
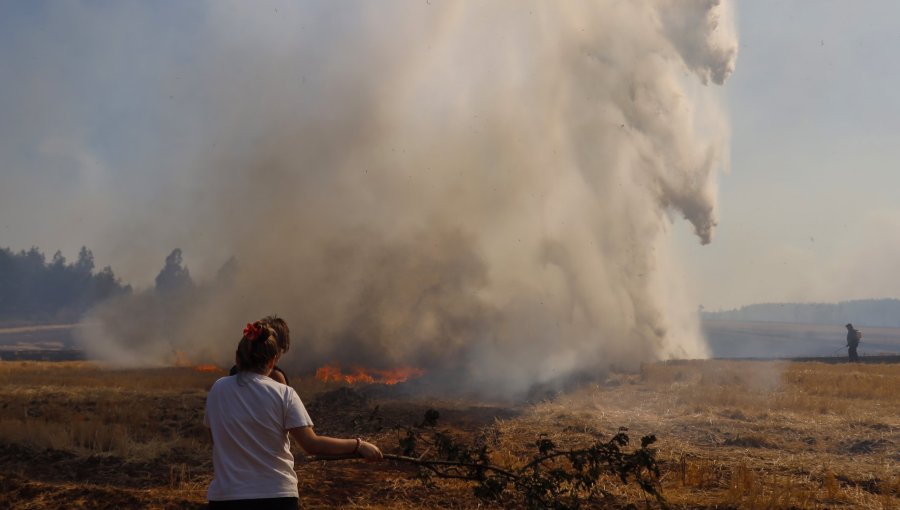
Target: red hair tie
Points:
(252, 331)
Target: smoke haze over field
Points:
(481, 189)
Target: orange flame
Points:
(333, 373)
(180, 359)
(208, 368)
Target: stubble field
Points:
(731, 434)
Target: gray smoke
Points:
(484, 190)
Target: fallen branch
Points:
(542, 482)
(426, 463)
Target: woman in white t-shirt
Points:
(250, 417)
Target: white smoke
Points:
(483, 189)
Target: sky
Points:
(808, 211)
(99, 115)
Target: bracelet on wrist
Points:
(358, 442)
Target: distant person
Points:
(283, 338)
(250, 417)
(853, 338)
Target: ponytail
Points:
(257, 347)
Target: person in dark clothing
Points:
(282, 338)
(853, 338)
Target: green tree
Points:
(173, 276)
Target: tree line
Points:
(35, 290)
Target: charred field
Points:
(731, 434)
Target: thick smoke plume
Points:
(484, 190)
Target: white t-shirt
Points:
(249, 415)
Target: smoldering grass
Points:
(704, 413)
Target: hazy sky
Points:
(810, 210)
(96, 121)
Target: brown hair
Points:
(282, 331)
(254, 351)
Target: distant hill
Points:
(863, 312)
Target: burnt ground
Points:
(748, 434)
(43, 478)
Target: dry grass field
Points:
(732, 434)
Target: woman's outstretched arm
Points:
(314, 444)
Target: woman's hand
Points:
(369, 451)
